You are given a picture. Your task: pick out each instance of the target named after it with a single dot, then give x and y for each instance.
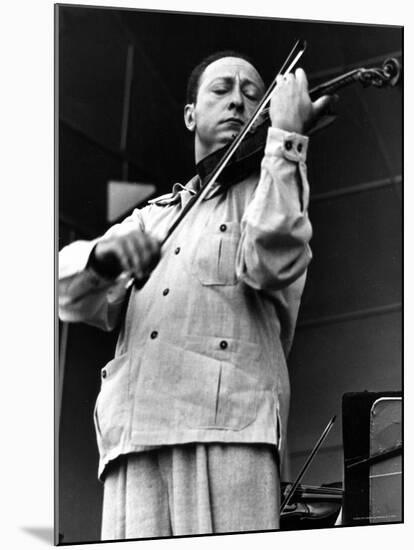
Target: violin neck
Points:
(335, 84)
(386, 75)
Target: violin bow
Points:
(290, 62)
(307, 464)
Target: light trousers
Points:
(192, 489)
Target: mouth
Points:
(232, 121)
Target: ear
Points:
(189, 117)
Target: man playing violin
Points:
(192, 413)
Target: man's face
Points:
(229, 91)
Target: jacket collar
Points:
(183, 192)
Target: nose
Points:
(236, 99)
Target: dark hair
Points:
(196, 74)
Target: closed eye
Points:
(251, 93)
(252, 97)
(220, 91)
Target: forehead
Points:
(232, 67)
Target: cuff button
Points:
(288, 145)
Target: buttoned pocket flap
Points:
(215, 254)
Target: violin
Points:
(243, 155)
(250, 152)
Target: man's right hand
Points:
(126, 249)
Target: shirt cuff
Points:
(290, 145)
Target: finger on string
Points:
(301, 78)
(324, 104)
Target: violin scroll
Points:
(387, 75)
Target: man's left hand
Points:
(291, 108)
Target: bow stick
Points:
(307, 463)
(291, 60)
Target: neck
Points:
(201, 151)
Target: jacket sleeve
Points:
(274, 247)
(84, 295)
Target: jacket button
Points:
(223, 227)
(154, 334)
(288, 145)
(177, 250)
(104, 373)
(166, 291)
(223, 344)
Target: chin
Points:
(228, 137)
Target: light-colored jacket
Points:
(201, 354)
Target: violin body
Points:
(245, 161)
(315, 515)
(311, 507)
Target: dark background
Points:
(349, 330)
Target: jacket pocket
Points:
(194, 391)
(110, 407)
(236, 405)
(215, 256)
(236, 399)
(176, 390)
